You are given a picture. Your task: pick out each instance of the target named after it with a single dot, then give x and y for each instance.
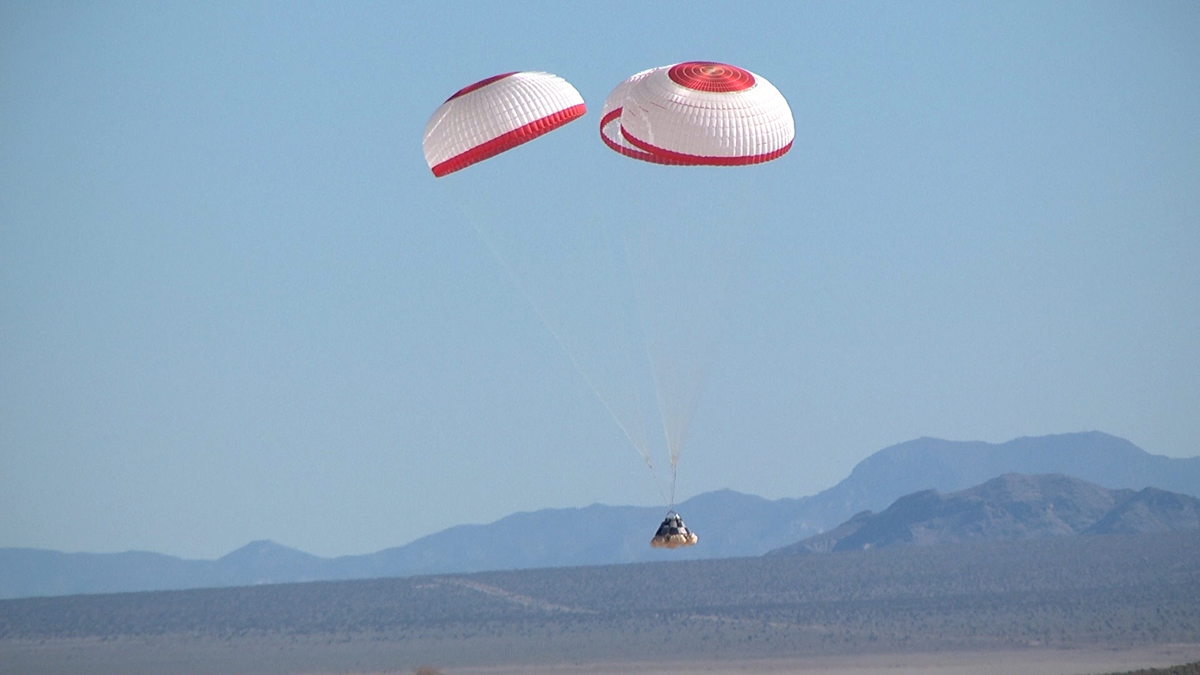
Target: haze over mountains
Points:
(730, 524)
(1012, 506)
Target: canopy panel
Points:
(610, 120)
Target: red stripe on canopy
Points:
(664, 156)
(509, 140)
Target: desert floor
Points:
(1026, 662)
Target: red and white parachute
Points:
(497, 114)
(692, 113)
(698, 113)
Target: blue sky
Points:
(234, 304)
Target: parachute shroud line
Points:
(697, 113)
(630, 426)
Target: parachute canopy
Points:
(497, 114)
(698, 113)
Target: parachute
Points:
(497, 114)
(698, 113)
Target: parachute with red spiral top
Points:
(698, 113)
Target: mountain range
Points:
(1009, 507)
(730, 524)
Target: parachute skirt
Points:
(672, 533)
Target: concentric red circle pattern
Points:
(710, 76)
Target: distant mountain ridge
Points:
(948, 466)
(730, 524)
(1010, 507)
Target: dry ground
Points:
(1026, 662)
(1096, 605)
(205, 658)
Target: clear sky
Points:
(235, 304)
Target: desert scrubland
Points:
(1088, 604)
